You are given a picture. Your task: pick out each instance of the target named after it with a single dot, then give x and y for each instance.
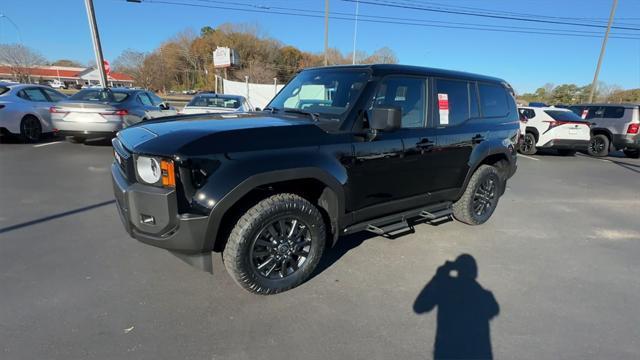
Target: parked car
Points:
(57, 84)
(24, 110)
(217, 103)
(101, 112)
(554, 128)
(538, 104)
(613, 127)
(337, 151)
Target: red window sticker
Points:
(443, 101)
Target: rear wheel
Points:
(275, 245)
(30, 129)
(480, 198)
(566, 152)
(632, 153)
(599, 145)
(528, 145)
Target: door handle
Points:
(477, 139)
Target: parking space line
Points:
(46, 144)
(528, 157)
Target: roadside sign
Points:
(224, 57)
(107, 67)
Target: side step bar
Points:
(395, 222)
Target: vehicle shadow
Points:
(15, 140)
(105, 141)
(345, 244)
(465, 309)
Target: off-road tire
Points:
(599, 145)
(634, 154)
(566, 152)
(528, 145)
(463, 210)
(236, 255)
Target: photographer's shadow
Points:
(464, 310)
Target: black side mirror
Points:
(385, 118)
(164, 106)
(257, 109)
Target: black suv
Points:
(338, 150)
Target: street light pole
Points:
(594, 84)
(95, 36)
(14, 25)
(355, 33)
(326, 31)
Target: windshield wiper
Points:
(314, 116)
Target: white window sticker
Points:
(443, 107)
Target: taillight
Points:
(56, 110)
(121, 112)
(633, 128)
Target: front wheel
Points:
(632, 153)
(275, 245)
(598, 146)
(480, 198)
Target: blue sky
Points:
(59, 29)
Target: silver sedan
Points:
(98, 112)
(24, 110)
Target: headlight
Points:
(148, 169)
(155, 171)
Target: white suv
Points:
(554, 128)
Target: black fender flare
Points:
(483, 151)
(332, 198)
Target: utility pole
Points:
(95, 36)
(604, 46)
(326, 32)
(355, 33)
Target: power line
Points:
(481, 27)
(395, 4)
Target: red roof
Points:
(73, 74)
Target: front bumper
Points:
(169, 230)
(629, 141)
(567, 144)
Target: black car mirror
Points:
(257, 109)
(385, 118)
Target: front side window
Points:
(408, 94)
(493, 99)
(144, 99)
(454, 104)
(329, 93)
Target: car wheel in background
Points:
(566, 152)
(480, 198)
(598, 146)
(30, 129)
(276, 244)
(528, 145)
(632, 153)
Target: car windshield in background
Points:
(99, 95)
(328, 93)
(215, 101)
(559, 115)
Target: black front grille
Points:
(124, 159)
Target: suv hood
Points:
(204, 135)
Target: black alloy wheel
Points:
(598, 146)
(30, 129)
(281, 248)
(528, 145)
(484, 198)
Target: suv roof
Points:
(387, 69)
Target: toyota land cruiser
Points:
(338, 150)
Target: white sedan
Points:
(24, 109)
(217, 103)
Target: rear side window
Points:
(559, 115)
(34, 94)
(54, 95)
(613, 112)
(493, 100)
(457, 101)
(3, 89)
(594, 112)
(528, 113)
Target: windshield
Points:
(215, 101)
(560, 115)
(326, 92)
(99, 95)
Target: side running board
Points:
(397, 222)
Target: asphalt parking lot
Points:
(560, 257)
